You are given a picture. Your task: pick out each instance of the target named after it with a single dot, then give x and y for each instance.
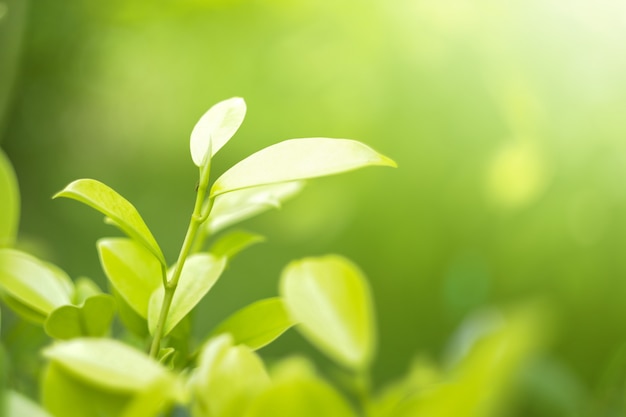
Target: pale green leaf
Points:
(9, 202)
(133, 271)
(227, 379)
(116, 208)
(199, 274)
(32, 282)
(97, 314)
(18, 405)
(231, 244)
(257, 324)
(240, 205)
(83, 289)
(297, 391)
(64, 323)
(330, 299)
(215, 128)
(61, 276)
(92, 318)
(106, 363)
(298, 159)
(65, 395)
(24, 311)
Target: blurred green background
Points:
(506, 119)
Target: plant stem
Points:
(197, 218)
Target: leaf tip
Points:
(385, 161)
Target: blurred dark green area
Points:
(506, 120)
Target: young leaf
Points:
(116, 208)
(31, 282)
(106, 363)
(297, 391)
(330, 299)
(257, 324)
(24, 311)
(199, 274)
(9, 202)
(132, 270)
(227, 379)
(92, 318)
(64, 323)
(232, 243)
(83, 289)
(234, 207)
(215, 128)
(298, 159)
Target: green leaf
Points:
(330, 299)
(65, 395)
(9, 202)
(132, 321)
(239, 205)
(34, 283)
(199, 274)
(298, 392)
(116, 208)
(19, 405)
(227, 379)
(152, 401)
(133, 271)
(481, 381)
(215, 128)
(421, 377)
(106, 363)
(257, 324)
(231, 244)
(298, 159)
(24, 311)
(92, 318)
(83, 289)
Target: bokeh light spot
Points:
(517, 174)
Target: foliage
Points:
(150, 366)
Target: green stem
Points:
(197, 218)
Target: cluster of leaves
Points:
(159, 371)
